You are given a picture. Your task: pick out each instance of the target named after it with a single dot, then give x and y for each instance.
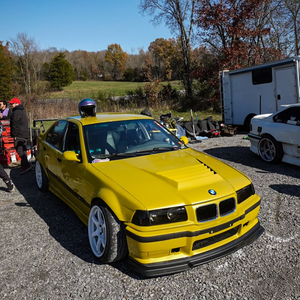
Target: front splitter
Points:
(182, 264)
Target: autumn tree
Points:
(179, 17)
(233, 33)
(116, 60)
(233, 30)
(6, 89)
(138, 68)
(86, 65)
(95, 63)
(60, 72)
(164, 54)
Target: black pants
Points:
(20, 145)
(3, 174)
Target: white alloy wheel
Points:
(270, 150)
(40, 177)
(97, 231)
(106, 234)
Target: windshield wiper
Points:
(116, 155)
(121, 154)
(166, 148)
(158, 149)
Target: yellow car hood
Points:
(175, 178)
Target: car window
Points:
(288, 116)
(131, 136)
(56, 134)
(72, 141)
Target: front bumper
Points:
(161, 252)
(179, 265)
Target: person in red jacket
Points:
(20, 132)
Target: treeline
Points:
(212, 35)
(33, 69)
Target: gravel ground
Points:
(44, 250)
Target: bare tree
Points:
(178, 16)
(267, 42)
(25, 50)
(280, 37)
(293, 8)
(283, 19)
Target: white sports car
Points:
(276, 137)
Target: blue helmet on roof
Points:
(87, 108)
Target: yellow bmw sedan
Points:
(145, 195)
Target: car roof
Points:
(285, 106)
(107, 117)
(289, 105)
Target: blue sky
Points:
(89, 25)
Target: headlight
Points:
(245, 193)
(158, 217)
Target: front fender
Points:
(121, 203)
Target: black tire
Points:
(188, 126)
(248, 121)
(106, 234)
(270, 150)
(41, 177)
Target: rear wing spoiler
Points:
(42, 124)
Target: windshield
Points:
(128, 138)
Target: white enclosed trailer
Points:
(258, 89)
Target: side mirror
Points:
(70, 156)
(184, 139)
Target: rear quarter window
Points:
(56, 134)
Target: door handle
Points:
(278, 97)
(59, 160)
(44, 148)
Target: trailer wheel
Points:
(270, 150)
(248, 121)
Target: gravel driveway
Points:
(44, 248)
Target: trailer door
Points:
(225, 96)
(286, 87)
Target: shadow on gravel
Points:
(242, 155)
(288, 189)
(63, 223)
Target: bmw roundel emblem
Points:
(212, 192)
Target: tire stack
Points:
(8, 153)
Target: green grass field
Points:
(91, 89)
(110, 88)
